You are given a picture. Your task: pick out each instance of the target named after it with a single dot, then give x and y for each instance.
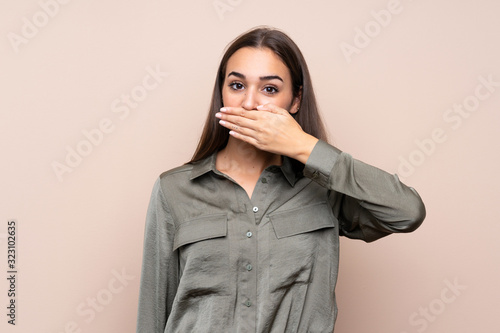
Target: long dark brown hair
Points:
(214, 136)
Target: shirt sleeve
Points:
(159, 276)
(373, 203)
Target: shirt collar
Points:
(203, 166)
(288, 170)
(208, 164)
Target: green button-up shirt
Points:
(217, 261)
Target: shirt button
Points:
(249, 234)
(255, 209)
(249, 267)
(264, 180)
(248, 303)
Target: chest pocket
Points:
(204, 256)
(297, 237)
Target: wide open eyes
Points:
(268, 89)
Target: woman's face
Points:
(257, 76)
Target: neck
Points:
(242, 157)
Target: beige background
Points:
(65, 73)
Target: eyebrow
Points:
(262, 78)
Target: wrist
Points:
(304, 148)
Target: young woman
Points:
(245, 237)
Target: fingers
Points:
(239, 112)
(243, 137)
(260, 127)
(238, 131)
(233, 126)
(248, 118)
(269, 128)
(252, 114)
(235, 122)
(271, 108)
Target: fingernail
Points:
(218, 115)
(223, 109)
(222, 122)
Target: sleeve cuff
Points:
(320, 163)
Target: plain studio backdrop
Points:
(99, 97)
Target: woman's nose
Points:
(250, 101)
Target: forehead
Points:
(256, 62)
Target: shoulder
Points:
(184, 175)
(173, 178)
(171, 181)
(183, 170)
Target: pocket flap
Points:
(200, 228)
(301, 220)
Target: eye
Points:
(271, 90)
(236, 85)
